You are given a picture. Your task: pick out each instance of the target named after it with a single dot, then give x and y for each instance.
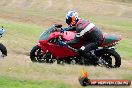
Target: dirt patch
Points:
(26, 53)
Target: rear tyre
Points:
(3, 50)
(111, 57)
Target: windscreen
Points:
(45, 35)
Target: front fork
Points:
(42, 48)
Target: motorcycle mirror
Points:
(2, 27)
(58, 25)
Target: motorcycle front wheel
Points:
(3, 50)
(36, 55)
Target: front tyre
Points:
(111, 57)
(3, 50)
(36, 54)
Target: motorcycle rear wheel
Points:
(111, 57)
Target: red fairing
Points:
(56, 50)
(42, 44)
(54, 35)
(69, 35)
(60, 51)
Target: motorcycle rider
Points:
(87, 33)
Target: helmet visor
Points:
(69, 20)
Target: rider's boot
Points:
(93, 58)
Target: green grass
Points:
(20, 34)
(18, 83)
(24, 25)
(120, 23)
(125, 49)
(27, 29)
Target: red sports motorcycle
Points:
(48, 49)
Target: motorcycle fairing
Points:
(56, 50)
(110, 39)
(60, 51)
(69, 35)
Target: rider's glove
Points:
(62, 43)
(64, 29)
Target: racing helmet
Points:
(71, 18)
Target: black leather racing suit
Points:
(91, 36)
